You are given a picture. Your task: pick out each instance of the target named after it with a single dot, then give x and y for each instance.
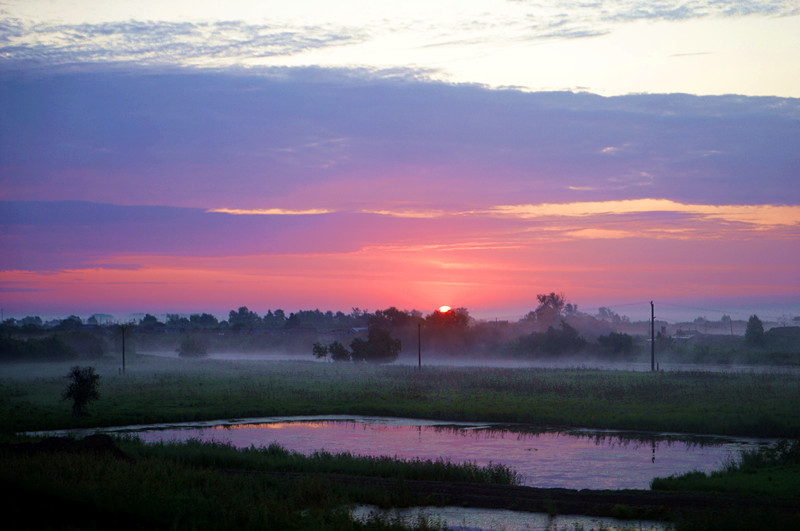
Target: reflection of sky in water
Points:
(548, 459)
(472, 519)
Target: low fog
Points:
(555, 334)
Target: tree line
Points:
(555, 327)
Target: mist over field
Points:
(388, 265)
(556, 333)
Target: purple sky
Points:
(173, 157)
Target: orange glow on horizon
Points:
(496, 271)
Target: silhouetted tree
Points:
(148, 321)
(243, 318)
(380, 346)
(390, 318)
(754, 334)
(550, 307)
(205, 320)
(293, 321)
(339, 352)
(616, 344)
(81, 389)
(319, 350)
(565, 340)
(552, 341)
(73, 322)
(32, 320)
(175, 320)
(274, 320)
(457, 318)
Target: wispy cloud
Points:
(409, 213)
(417, 35)
(761, 215)
(165, 42)
(270, 211)
(675, 10)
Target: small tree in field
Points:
(337, 351)
(380, 346)
(81, 389)
(319, 350)
(754, 334)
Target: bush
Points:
(81, 389)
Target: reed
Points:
(275, 458)
(770, 471)
(67, 491)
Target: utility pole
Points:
(419, 346)
(123, 327)
(652, 338)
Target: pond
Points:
(468, 519)
(575, 459)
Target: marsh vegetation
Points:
(171, 390)
(186, 486)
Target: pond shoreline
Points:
(547, 458)
(636, 504)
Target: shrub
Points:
(81, 389)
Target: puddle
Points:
(469, 519)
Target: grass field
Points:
(164, 390)
(195, 486)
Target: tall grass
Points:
(771, 471)
(275, 458)
(68, 491)
(747, 404)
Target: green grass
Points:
(275, 458)
(159, 492)
(195, 485)
(770, 472)
(165, 390)
(773, 471)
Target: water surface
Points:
(576, 459)
(471, 519)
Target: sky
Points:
(186, 157)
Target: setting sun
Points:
(444, 309)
